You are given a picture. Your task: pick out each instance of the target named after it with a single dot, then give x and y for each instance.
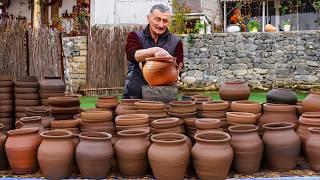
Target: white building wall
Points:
(20, 7)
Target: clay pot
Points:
(94, 154)
(150, 105)
(64, 101)
(247, 147)
(307, 120)
(21, 148)
(182, 107)
(56, 154)
(38, 111)
(169, 155)
(313, 148)
(282, 145)
(132, 119)
(69, 123)
(234, 91)
(159, 71)
(109, 102)
(29, 122)
(96, 115)
(207, 123)
(215, 105)
(3, 156)
(312, 102)
(132, 152)
(246, 106)
(241, 117)
(281, 96)
(212, 155)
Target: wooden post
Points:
(225, 16)
(263, 15)
(277, 17)
(36, 15)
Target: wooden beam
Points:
(36, 15)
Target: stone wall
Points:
(264, 60)
(75, 62)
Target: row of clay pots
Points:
(6, 102)
(51, 87)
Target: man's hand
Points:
(159, 52)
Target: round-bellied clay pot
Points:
(38, 111)
(132, 152)
(28, 122)
(311, 103)
(241, 117)
(234, 91)
(307, 120)
(282, 96)
(313, 148)
(247, 147)
(94, 154)
(169, 155)
(160, 71)
(56, 154)
(246, 106)
(215, 105)
(212, 155)
(3, 156)
(21, 148)
(132, 119)
(282, 145)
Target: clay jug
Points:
(160, 71)
(248, 148)
(132, 152)
(313, 148)
(28, 122)
(169, 156)
(282, 145)
(212, 155)
(3, 156)
(56, 154)
(21, 149)
(234, 91)
(312, 102)
(281, 96)
(307, 120)
(94, 154)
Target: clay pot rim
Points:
(95, 135)
(278, 126)
(129, 101)
(163, 121)
(131, 116)
(30, 119)
(182, 103)
(133, 132)
(216, 102)
(148, 102)
(23, 131)
(246, 102)
(240, 114)
(162, 59)
(108, 97)
(164, 138)
(51, 134)
(281, 107)
(243, 128)
(38, 109)
(204, 121)
(311, 114)
(226, 138)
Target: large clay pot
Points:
(28, 122)
(3, 156)
(56, 154)
(248, 148)
(169, 155)
(313, 148)
(212, 155)
(132, 152)
(307, 120)
(160, 71)
(281, 96)
(312, 102)
(21, 148)
(94, 154)
(282, 145)
(234, 91)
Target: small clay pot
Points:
(234, 91)
(246, 106)
(215, 105)
(132, 119)
(241, 117)
(96, 115)
(207, 123)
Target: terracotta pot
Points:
(160, 71)
(282, 145)
(52, 84)
(132, 152)
(150, 105)
(241, 117)
(132, 119)
(307, 120)
(21, 148)
(281, 96)
(190, 122)
(38, 111)
(311, 103)
(247, 147)
(169, 155)
(3, 156)
(56, 154)
(96, 115)
(246, 106)
(29, 122)
(94, 154)
(109, 102)
(313, 148)
(182, 107)
(234, 91)
(131, 127)
(215, 105)
(70, 123)
(207, 123)
(212, 155)
(166, 123)
(64, 101)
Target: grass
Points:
(259, 96)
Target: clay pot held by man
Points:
(160, 71)
(234, 91)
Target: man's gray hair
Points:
(161, 7)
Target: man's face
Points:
(159, 22)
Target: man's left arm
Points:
(179, 55)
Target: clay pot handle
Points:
(19, 124)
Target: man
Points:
(154, 41)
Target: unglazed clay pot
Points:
(212, 155)
(132, 152)
(248, 148)
(282, 96)
(56, 154)
(307, 120)
(94, 154)
(28, 122)
(282, 145)
(312, 102)
(234, 91)
(169, 155)
(313, 148)
(160, 71)
(52, 84)
(21, 148)
(3, 156)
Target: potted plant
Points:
(253, 25)
(286, 25)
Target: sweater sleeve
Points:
(132, 45)
(179, 53)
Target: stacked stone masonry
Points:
(264, 60)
